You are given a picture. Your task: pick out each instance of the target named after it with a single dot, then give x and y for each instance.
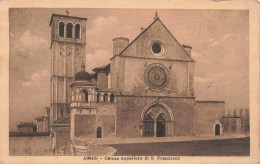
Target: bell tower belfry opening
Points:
(68, 42)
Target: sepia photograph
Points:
(128, 82)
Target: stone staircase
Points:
(80, 150)
(85, 149)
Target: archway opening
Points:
(148, 126)
(61, 29)
(105, 97)
(85, 95)
(77, 31)
(69, 30)
(99, 132)
(217, 130)
(160, 126)
(98, 97)
(112, 97)
(157, 120)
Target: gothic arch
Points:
(61, 29)
(162, 117)
(98, 97)
(112, 97)
(69, 30)
(77, 31)
(87, 89)
(105, 97)
(148, 107)
(86, 92)
(217, 122)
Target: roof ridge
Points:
(156, 19)
(135, 38)
(176, 40)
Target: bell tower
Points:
(68, 42)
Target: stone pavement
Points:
(101, 147)
(108, 141)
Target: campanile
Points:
(68, 42)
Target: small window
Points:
(61, 29)
(156, 47)
(99, 132)
(77, 31)
(105, 97)
(85, 95)
(98, 97)
(217, 130)
(112, 97)
(69, 30)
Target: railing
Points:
(82, 104)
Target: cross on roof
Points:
(156, 15)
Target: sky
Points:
(219, 41)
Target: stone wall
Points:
(142, 47)
(61, 137)
(86, 125)
(207, 115)
(102, 80)
(128, 69)
(180, 77)
(29, 145)
(25, 129)
(40, 126)
(232, 125)
(130, 108)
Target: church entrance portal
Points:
(156, 122)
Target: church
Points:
(147, 89)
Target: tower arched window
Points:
(77, 31)
(112, 97)
(105, 97)
(69, 30)
(98, 97)
(85, 92)
(61, 29)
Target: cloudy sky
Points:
(219, 40)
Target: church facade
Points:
(147, 89)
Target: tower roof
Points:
(82, 75)
(66, 16)
(105, 68)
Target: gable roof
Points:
(66, 16)
(63, 121)
(155, 20)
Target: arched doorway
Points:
(217, 130)
(157, 120)
(160, 126)
(148, 126)
(99, 132)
